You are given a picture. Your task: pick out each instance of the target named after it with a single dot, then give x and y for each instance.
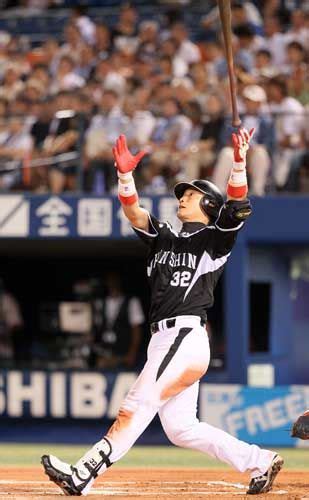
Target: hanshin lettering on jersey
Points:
(172, 259)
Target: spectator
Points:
(170, 138)
(13, 151)
(298, 85)
(118, 330)
(242, 13)
(34, 90)
(289, 122)
(297, 70)
(104, 128)
(246, 13)
(187, 51)
(66, 78)
(201, 81)
(62, 138)
(206, 129)
(40, 129)
(109, 77)
(169, 49)
(124, 34)
(39, 132)
(274, 40)
(214, 56)
(148, 42)
(84, 24)
(139, 128)
(40, 73)
(102, 41)
(298, 31)
(263, 66)
(140, 122)
(298, 179)
(73, 41)
(182, 90)
(12, 84)
(84, 106)
(4, 133)
(151, 181)
(245, 46)
(86, 63)
(19, 106)
(50, 54)
(142, 71)
(165, 69)
(11, 325)
(40, 4)
(260, 148)
(159, 93)
(295, 56)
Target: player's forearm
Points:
(137, 216)
(237, 188)
(128, 198)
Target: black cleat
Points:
(61, 474)
(262, 484)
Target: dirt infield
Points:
(120, 484)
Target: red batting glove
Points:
(125, 161)
(241, 144)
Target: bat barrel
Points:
(225, 16)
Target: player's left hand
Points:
(124, 161)
(241, 141)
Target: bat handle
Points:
(236, 123)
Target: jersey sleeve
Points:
(156, 230)
(231, 219)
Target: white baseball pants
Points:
(176, 359)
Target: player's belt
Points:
(168, 323)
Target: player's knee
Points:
(179, 435)
(143, 403)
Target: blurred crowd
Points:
(97, 325)
(63, 103)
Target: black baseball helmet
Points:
(212, 200)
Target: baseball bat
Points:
(225, 16)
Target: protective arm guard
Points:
(233, 213)
(300, 428)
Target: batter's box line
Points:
(225, 483)
(177, 493)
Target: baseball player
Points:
(183, 269)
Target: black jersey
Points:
(183, 268)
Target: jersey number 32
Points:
(180, 278)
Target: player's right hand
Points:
(124, 161)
